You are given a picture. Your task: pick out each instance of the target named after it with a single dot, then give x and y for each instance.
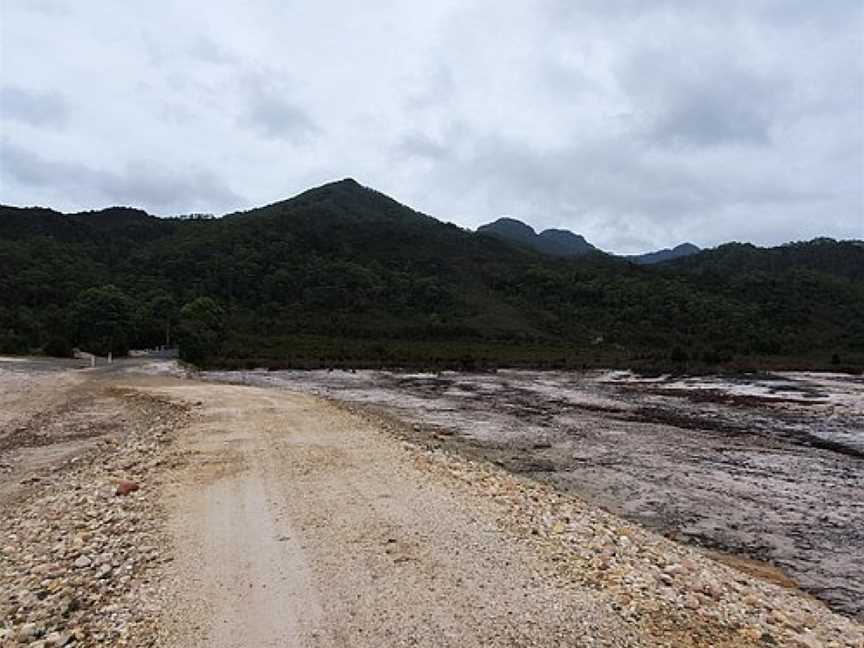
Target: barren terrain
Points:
(768, 468)
(233, 515)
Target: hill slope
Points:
(342, 274)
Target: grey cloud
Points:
(148, 183)
(47, 6)
(615, 191)
(30, 169)
(804, 12)
(702, 101)
(715, 113)
(33, 107)
(141, 183)
(271, 114)
(208, 50)
(433, 87)
(419, 145)
(716, 122)
(794, 11)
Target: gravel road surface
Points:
(300, 525)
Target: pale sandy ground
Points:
(300, 526)
(290, 521)
(24, 396)
(25, 393)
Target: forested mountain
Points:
(560, 242)
(666, 254)
(556, 242)
(343, 275)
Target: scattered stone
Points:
(125, 487)
(69, 548)
(29, 631)
(807, 641)
(58, 639)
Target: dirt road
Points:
(301, 525)
(271, 518)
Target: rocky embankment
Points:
(82, 556)
(671, 592)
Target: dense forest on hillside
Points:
(345, 276)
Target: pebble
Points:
(29, 631)
(125, 487)
(58, 639)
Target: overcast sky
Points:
(637, 124)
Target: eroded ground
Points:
(770, 468)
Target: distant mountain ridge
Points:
(551, 241)
(562, 242)
(666, 254)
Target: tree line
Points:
(344, 276)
